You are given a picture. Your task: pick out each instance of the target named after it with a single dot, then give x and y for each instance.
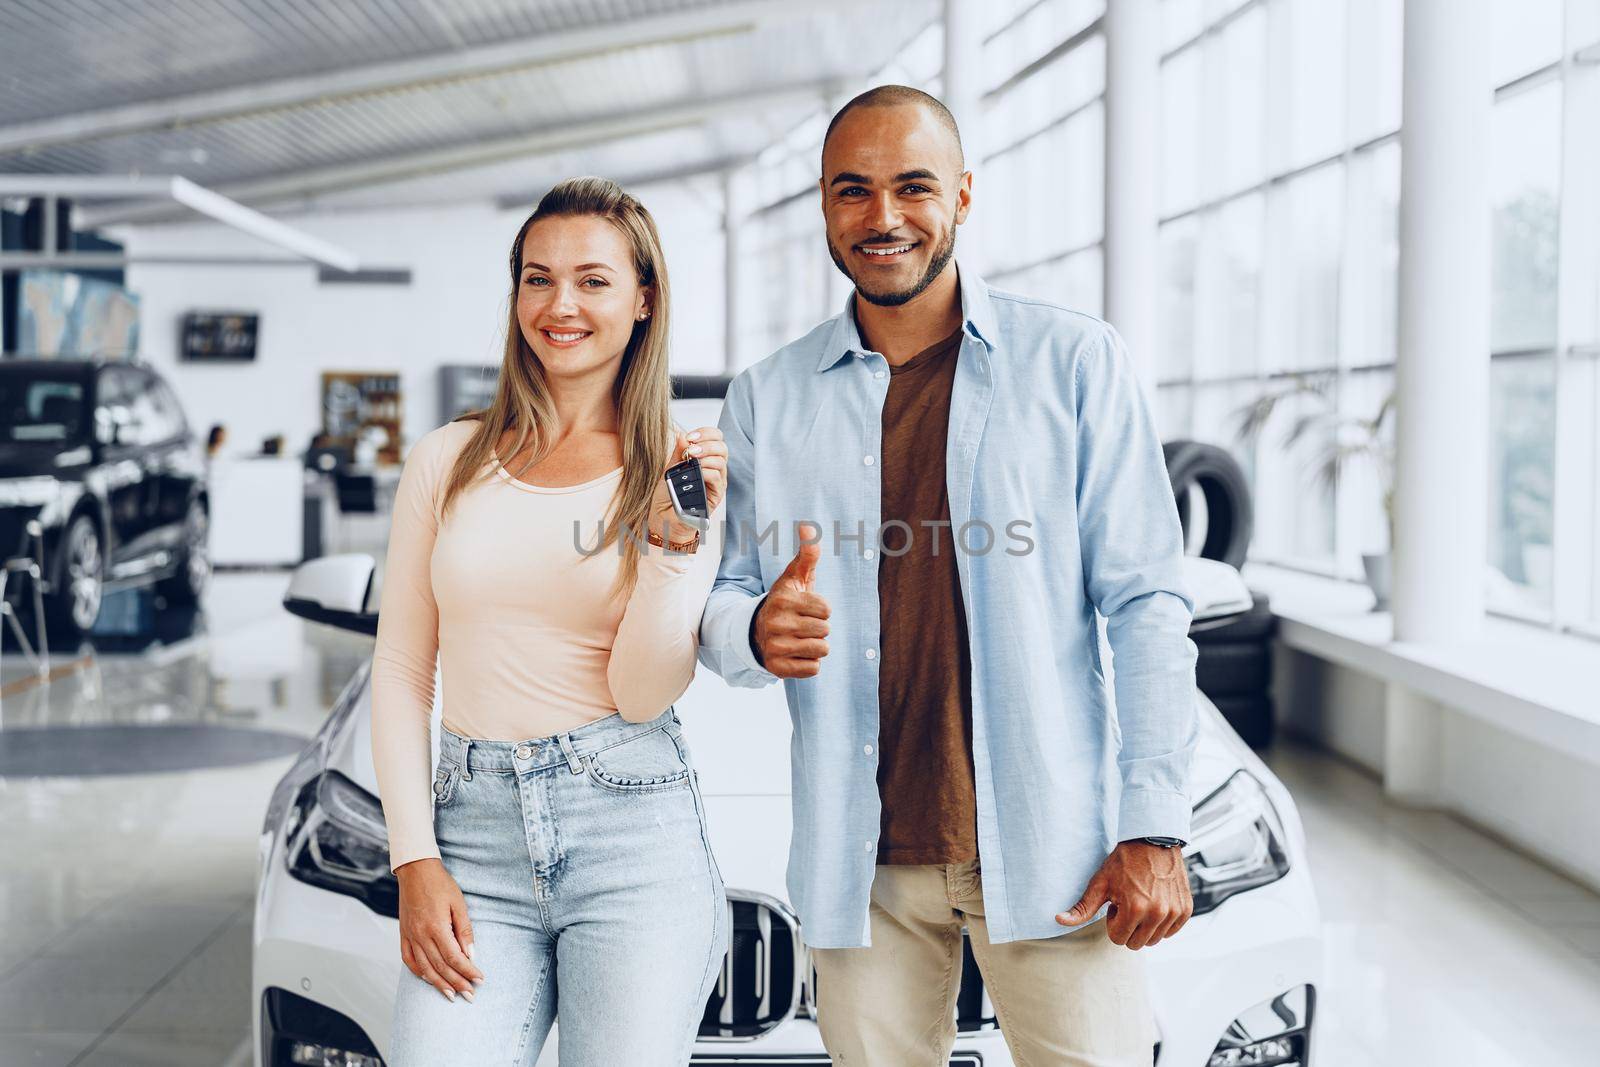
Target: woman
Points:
(559, 850)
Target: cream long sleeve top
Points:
(529, 639)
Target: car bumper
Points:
(333, 950)
(1254, 947)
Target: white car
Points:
(1236, 987)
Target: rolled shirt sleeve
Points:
(1132, 545)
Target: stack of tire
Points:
(1234, 667)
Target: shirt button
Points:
(868, 460)
(869, 846)
(867, 553)
(872, 653)
(524, 751)
(867, 749)
(877, 374)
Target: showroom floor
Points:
(126, 887)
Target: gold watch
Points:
(681, 548)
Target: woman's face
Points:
(578, 297)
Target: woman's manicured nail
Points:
(695, 436)
(468, 994)
(694, 450)
(451, 993)
(469, 952)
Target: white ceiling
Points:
(373, 103)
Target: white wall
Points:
(452, 312)
(1539, 800)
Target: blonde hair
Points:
(643, 390)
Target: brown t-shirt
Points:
(925, 776)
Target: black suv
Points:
(100, 454)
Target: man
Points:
(983, 475)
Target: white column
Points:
(963, 72)
(731, 222)
(1132, 100)
(1442, 373)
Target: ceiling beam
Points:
(184, 196)
(481, 61)
(566, 135)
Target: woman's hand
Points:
(435, 933)
(706, 445)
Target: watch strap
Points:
(679, 547)
(1164, 842)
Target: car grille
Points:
(761, 973)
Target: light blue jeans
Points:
(589, 881)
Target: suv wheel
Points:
(194, 560)
(76, 599)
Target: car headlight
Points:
(27, 492)
(335, 838)
(1237, 843)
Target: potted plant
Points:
(1341, 439)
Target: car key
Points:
(686, 485)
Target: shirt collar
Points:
(977, 315)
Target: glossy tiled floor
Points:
(125, 899)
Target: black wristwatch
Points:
(755, 649)
(1164, 842)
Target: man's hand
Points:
(791, 626)
(1148, 887)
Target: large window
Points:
(1279, 269)
(1279, 199)
(1038, 157)
(1038, 192)
(1544, 489)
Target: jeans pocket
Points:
(649, 763)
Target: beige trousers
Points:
(1078, 1000)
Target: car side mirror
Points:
(335, 591)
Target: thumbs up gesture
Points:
(791, 627)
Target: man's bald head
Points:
(902, 96)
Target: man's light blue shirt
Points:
(1048, 427)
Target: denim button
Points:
(524, 751)
(438, 788)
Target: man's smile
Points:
(887, 252)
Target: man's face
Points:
(893, 194)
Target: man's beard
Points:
(941, 258)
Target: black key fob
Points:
(687, 487)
